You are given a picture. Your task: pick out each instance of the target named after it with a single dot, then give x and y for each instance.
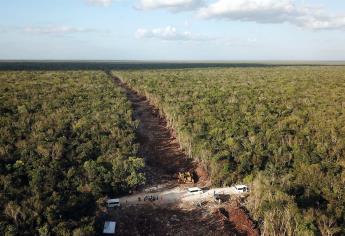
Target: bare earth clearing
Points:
(175, 212)
(177, 196)
(158, 145)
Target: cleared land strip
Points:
(159, 147)
(174, 212)
(175, 196)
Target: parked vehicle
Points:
(113, 203)
(195, 190)
(241, 189)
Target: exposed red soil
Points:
(158, 145)
(239, 220)
(149, 220)
(164, 160)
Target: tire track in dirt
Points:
(159, 147)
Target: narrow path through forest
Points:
(164, 159)
(158, 146)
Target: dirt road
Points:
(175, 196)
(164, 159)
(159, 147)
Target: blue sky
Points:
(173, 29)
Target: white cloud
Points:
(262, 11)
(104, 3)
(168, 33)
(322, 22)
(173, 5)
(259, 11)
(272, 11)
(56, 30)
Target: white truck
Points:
(111, 203)
(195, 190)
(241, 189)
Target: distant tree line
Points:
(117, 65)
(66, 140)
(280, 129)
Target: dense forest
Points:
(66, 142)
(281, 130)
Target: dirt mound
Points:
(238, 221)
(202, 175)
(152, 220)
(156, 221)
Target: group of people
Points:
(149, 198)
